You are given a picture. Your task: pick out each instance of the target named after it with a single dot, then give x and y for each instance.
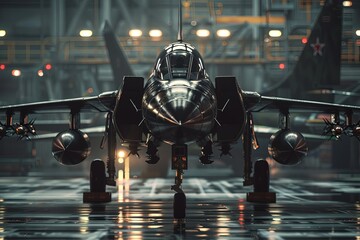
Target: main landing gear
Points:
(98, 179)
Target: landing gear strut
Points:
(206, 153)
(152, 150)
(179, 163)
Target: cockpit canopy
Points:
(179, 60)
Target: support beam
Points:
(251, 20)
(255, 12)
(75, 20)
(105, 11)
(144, 6)
(125, 12)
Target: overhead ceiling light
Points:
(304, 40)
(40, 73)
(155, 33)
(16, 72)
(275, 33)
(357, 32)
(282, 66)
(223, 33)
(347, 3)
(203, 33)
(86, 33)
(2, 33)
(48, 66)
(135, 33)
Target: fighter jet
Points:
(178, 105)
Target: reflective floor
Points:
(52, 208)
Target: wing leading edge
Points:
(265, 103)
(102, 103)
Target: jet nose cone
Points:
(181, 112)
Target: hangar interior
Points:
(44, 57)
(42, 41)
(47, 32)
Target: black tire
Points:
(261, 176)
(179, 205)
(97, 176)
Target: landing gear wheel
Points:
(179, 205)
(261, 192)
(97, 192)
(261, 176)
(97, 176)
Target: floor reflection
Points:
(43, 208)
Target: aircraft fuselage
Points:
(179, 111)
(179, 102)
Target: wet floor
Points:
(52, 208)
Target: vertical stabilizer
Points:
(319, 63)
(118, 61)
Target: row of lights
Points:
(203, 33)
(17, 72)
(156, 33)
(14, 72)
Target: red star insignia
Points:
(317, 46)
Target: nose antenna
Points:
(180, 33)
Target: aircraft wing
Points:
(101, 103)
(91, 131)
(267, 131)
(276, 103)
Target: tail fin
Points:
(118, 61)
(319, 63)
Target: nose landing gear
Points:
(179, 163)
(179, 196)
